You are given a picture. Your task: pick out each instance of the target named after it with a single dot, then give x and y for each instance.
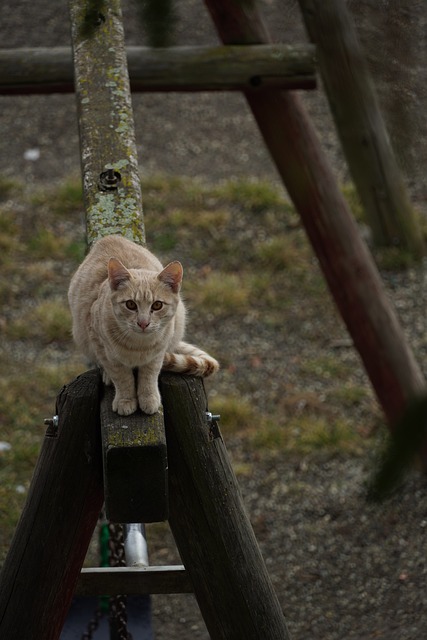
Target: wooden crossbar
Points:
(227, 68)
(134, 581)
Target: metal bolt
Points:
(210, 417)
(212, 420)
(52, 426)
(108, 180)
(99, 19)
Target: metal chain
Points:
(93, 625)
(118, 615)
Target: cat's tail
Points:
(190, 360)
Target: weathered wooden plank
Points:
(134, 581)
(63, 504)
(346, 262)
(135, 465)
(360, 125)
(210, 525)
(111, 184)
(235, 68)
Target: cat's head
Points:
(144, 301)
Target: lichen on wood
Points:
(106, 125)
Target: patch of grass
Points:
(162, 193)
(306, 426)
(255, 196)
(326, 366)
(237, 413)
(9, 186)
(45, 243)
(204, 220)
(270, 436)
(282, 252)
(307, 433)
(313, 433)
(350, 395)
(394, 258)
(49, 321)
(164, 241)
(68, 197)
(76, 250)
(60, 200)
(219, 293)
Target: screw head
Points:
(52, 426)
(109, 179)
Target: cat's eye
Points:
(157, 305)
(131, 305)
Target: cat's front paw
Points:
(149, 402)
(125, 406)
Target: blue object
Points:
(83, 610)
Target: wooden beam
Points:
(236, 68)
(61, 511)
(346, 262)
(210, 525)
(361, 127)
(135, 465)
(113, 203)
(133, 581)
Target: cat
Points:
(128, 314)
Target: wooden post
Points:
(284, 66)
(52, 536)
(135, 465)
(360, 125)
(111, 183)
(210, 524)
(344, 258)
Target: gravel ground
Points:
(342, 568)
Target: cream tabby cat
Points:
(128, 314)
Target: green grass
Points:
(305, 434)
(49, 321)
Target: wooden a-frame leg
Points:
(210, 524)
(39, 575)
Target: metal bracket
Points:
(214, 430)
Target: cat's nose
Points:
(143, 324)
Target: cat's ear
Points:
(117, 273)
(172, 275)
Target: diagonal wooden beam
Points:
(61, 511)
(210, 524)
(360, 125)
